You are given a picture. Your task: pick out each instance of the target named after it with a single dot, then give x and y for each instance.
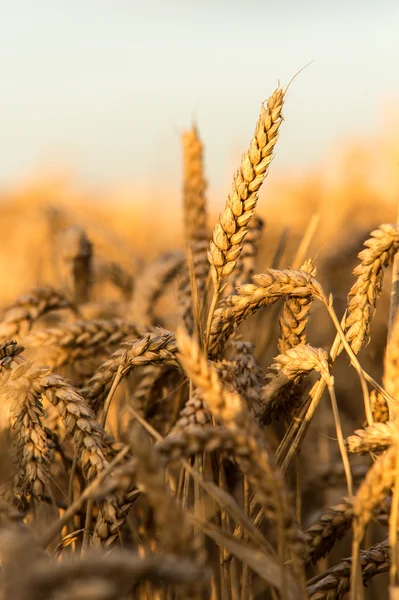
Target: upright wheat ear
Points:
(231, 228)
(76, 252)
(380, 250)
(195, 226)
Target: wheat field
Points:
(206, 409)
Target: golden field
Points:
(171, 447)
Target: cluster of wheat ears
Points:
(149, 463)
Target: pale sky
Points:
(103, 87)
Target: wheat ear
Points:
(266, 289)
(333, 523)
(334, 583)
(77, 252)
(195, 223)
(32, 442)
(374, 438)
(150, 284)
(246, 266)
(231, 228)
(380, 250)
(295, 316)
(18, 319)
(159, 347)
(70, 342)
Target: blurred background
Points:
(95, 96)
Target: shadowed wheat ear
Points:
(334, 583)
(252, 452)
(158, 347)
(242, 373)
(193, 413)
(18, 319)
(379, 407)
(70, 342)
(116, 274)
(380, 250)
(333, 523)
(177, 534)
(267, 288)
(150, 284)
(231, 228)
(246, 375)
(141, 396)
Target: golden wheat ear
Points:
(193, 286)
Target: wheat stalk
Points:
(252, 452)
